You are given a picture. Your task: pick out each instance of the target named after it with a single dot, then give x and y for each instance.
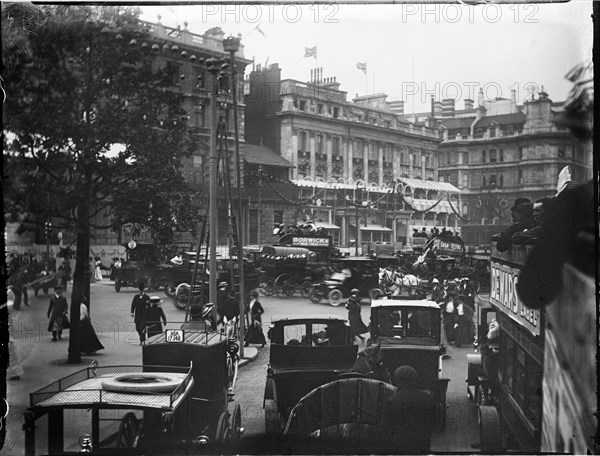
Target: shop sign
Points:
(504, 296)
(451, 246)
(310, 241)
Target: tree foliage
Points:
(88, 86)
(82, 80)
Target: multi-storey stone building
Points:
(340, 146)
(500, 151)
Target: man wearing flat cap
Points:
(408, 417)
(522, 215)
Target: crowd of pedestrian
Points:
(435, 232)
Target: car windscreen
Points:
(410, 325)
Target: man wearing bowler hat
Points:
(57, 313)
(139, 305)
(522, 216)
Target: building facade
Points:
(341, 150)
(500, 151)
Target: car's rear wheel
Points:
(335, 297)
(170, 289)
(305, 288)
(314, 296)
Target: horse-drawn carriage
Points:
(352, 272)
(394, 282)
(305, 353)
(198, 294)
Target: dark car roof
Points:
(304, 319)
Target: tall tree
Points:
(93, 82)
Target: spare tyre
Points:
(142, 382)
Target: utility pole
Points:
(212, 65)
(232, 45)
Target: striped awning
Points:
(372, 227)
(326, 226)
(429, 185)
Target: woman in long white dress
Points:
(98, 270)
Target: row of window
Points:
(311, 106)
(530, 175)
(415, 157)
(523, 152)
(505, 130)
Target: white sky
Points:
(455, 48)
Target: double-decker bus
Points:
(535, 375)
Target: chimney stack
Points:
(480, 100)
(469, 104)
(448, 108)
(397, 107)
(432, 106)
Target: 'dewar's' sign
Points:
(504, 296)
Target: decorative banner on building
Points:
(311, 241)
(504, 296)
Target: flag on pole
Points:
(362, 66)
(310, 52)
(259, 30)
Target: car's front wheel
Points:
(335, 297)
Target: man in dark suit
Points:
(57, 313)
(408, 416)
(522, 216)
(140, 303)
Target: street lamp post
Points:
(232, 45)
(47, 231)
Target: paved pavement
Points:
(44, 361)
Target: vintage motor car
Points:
(147, 407)
(305, 353)
(409, 332)
(352, 272)
(140, 259)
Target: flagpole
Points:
(366, 77)
(413, 81)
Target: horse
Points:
(392, 282)
(369, 362)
